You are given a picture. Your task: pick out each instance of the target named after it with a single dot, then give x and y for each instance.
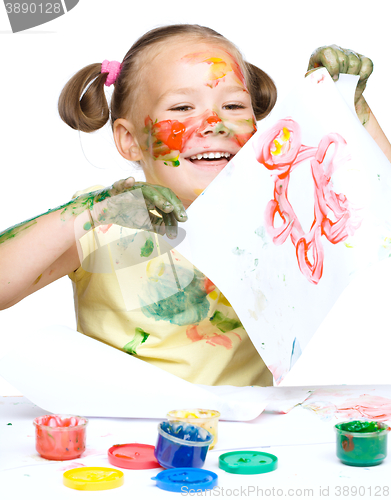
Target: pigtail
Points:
(81, 109)
(262, 90)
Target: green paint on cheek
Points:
(223, 323)
(139, 338)
(87, 226)
(147, 248)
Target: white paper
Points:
(63, 371)
(278, 304)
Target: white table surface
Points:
(303, 442)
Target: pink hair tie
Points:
(113, 69)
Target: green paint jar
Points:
(362, 443)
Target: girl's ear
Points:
(126, 141)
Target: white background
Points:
(41, 159)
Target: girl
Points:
(183, 105)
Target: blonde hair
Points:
(83, 105)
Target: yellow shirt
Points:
(134, 292)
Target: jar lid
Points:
(248, 462)
(184, 479)
(133, 456)
(93, 478)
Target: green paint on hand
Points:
(224, 323)
(139, 338)
(147, 248)
(87, 226)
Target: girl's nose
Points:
(213, 125)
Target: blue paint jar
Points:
(180, 444)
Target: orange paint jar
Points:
(60, 437)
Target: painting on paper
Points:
(303, 207)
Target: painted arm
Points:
(337, 60)
(41, 250)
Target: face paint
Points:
(167, 139)
(218, 67)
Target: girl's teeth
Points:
(211, 156)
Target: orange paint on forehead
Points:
(218, 67)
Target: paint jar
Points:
(207, 419)
(180, 444)
(60, 437)
(362, 443)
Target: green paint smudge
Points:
(180, 307)
(224, 323)
(15, 230)
(238, 251)
(73, 207)
(147, 248)
(87, 226)
(139, 338)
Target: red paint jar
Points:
(60, 437)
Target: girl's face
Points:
(196, 114)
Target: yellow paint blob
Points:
(36, 281)
(277, 151)
(284, 139)
(155, 268)
(213, 295)
(223, 300)
(286, 134)
(198, 191)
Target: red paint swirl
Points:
(280, 150)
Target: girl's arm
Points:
(338, 60)
(41, 250)
(34, 254)
(374, 129)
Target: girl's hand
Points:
(139, 205)
(337, 60)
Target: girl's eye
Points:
(234, 106)
(181, 108)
